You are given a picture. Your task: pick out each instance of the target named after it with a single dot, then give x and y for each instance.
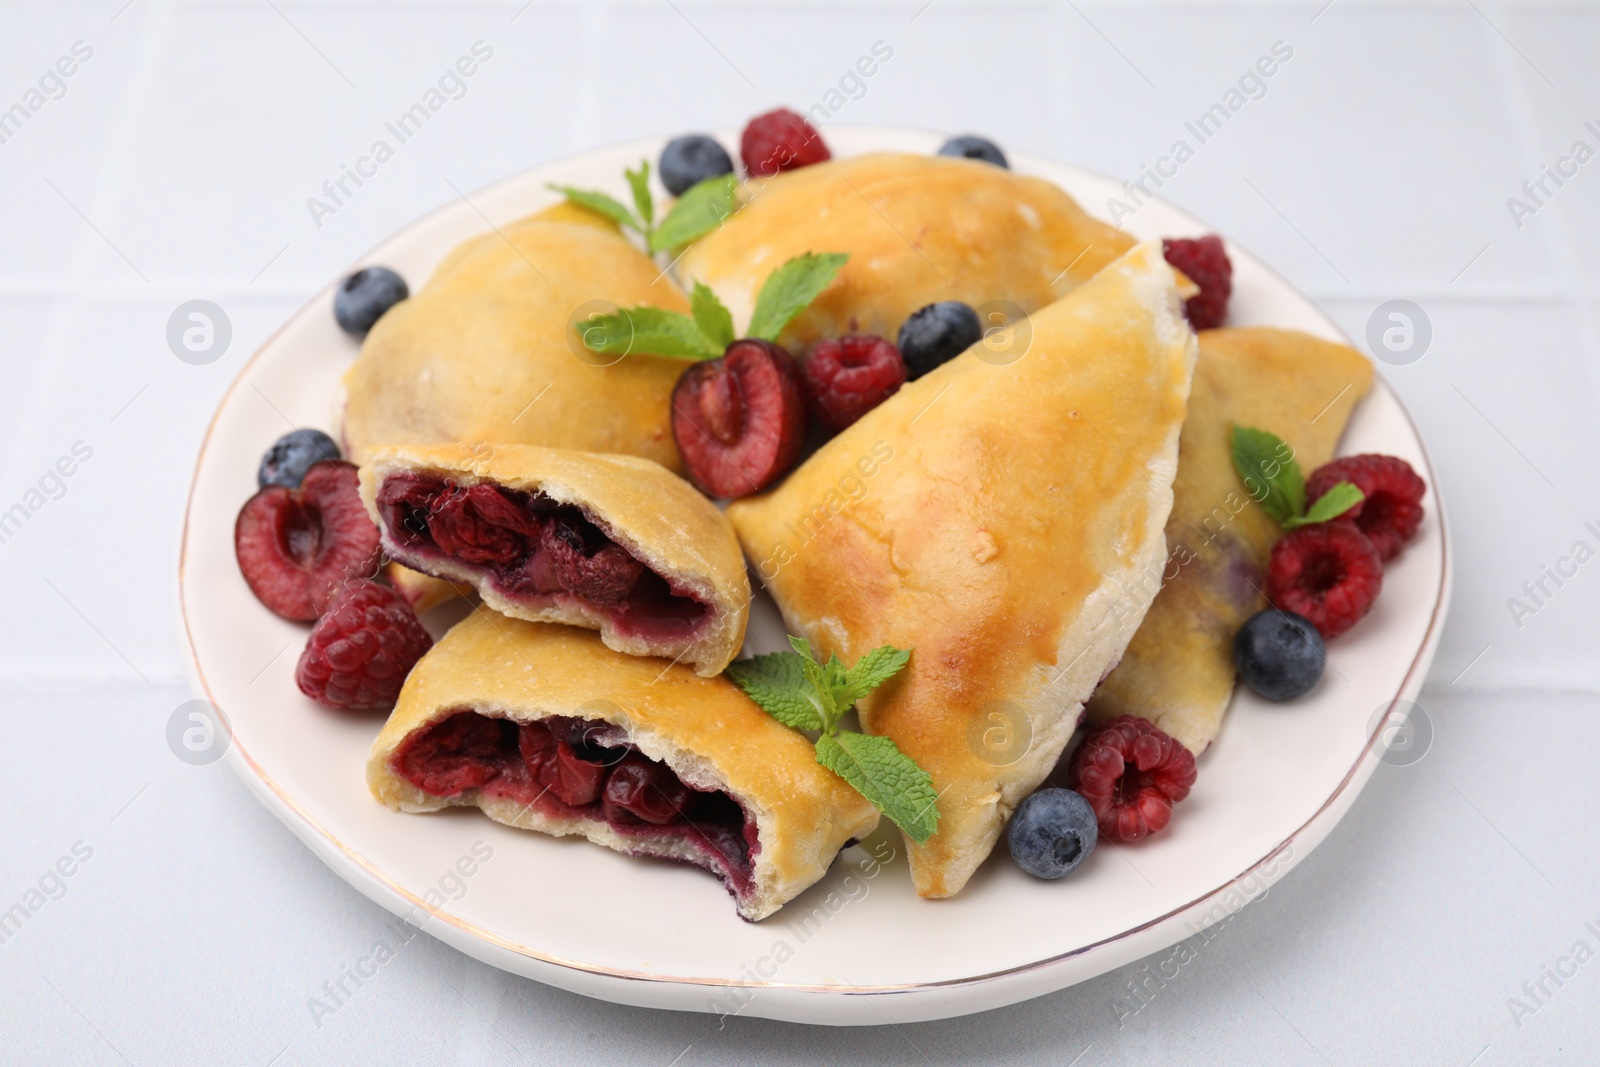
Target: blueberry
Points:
(1279, 654)
(937, 334)
(363, 297)
(291, 455)
(974, 147)
(692, 159)
(1052, 832)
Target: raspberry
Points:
(780, 140)
(1206, 263)
(1329, 573)
(359, 653)
(1392, 509)
(849, 376)
(1131, 773)
(740, 420)
(297, 546)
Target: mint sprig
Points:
(1271, 475)
(648, 329)
(701, 208)
(803, 694)
(714, 320)
(790, 289)
(709, 331)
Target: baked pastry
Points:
(1178, 670)
(614, 543)
(486, 350)
(544, 728)
(918, 229)
(1009, 533)
(423, 591)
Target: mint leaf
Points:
(803, 694)
(778, 684)
(639, 182)
(1330, 505)
(701, 209)
(647, 329)
(817, 679)
(600, 203)
(871, 671)
(887, 777)
(1271, 475)
(789, 289)
(713, 319)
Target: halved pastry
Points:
(1178, 670)
(614, 543)
(544, 728)
(487, 350)
(1009, 534)
(918, 229)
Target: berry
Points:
(780, 140)
(575, 557)
(687, 161)
(1329, 573)
(453, 755)
(364, 296)
(1206, 262)
(556, 766)
(405, 502)
(849, 376)
(480, 524)
(1131, 773)
(359, 653)
(937, 334)
(1391, 509)
(641, 790)
(740, 420)
(1052, 832)
(974, 147)
(291, 455)
(1279, 654)
(296, 547)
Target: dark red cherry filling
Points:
(581, 768)
(534, 550)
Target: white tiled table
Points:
(1377, 165)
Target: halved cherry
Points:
(740, 420)
(296, 547)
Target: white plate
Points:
(660, 935)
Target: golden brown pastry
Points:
(485, 351)
(1004, 521)
(918, 229)
(423, 591)
(544, 728)
(1178, 670)
(614, 543)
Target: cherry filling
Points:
(532, 549)
(582, 768)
